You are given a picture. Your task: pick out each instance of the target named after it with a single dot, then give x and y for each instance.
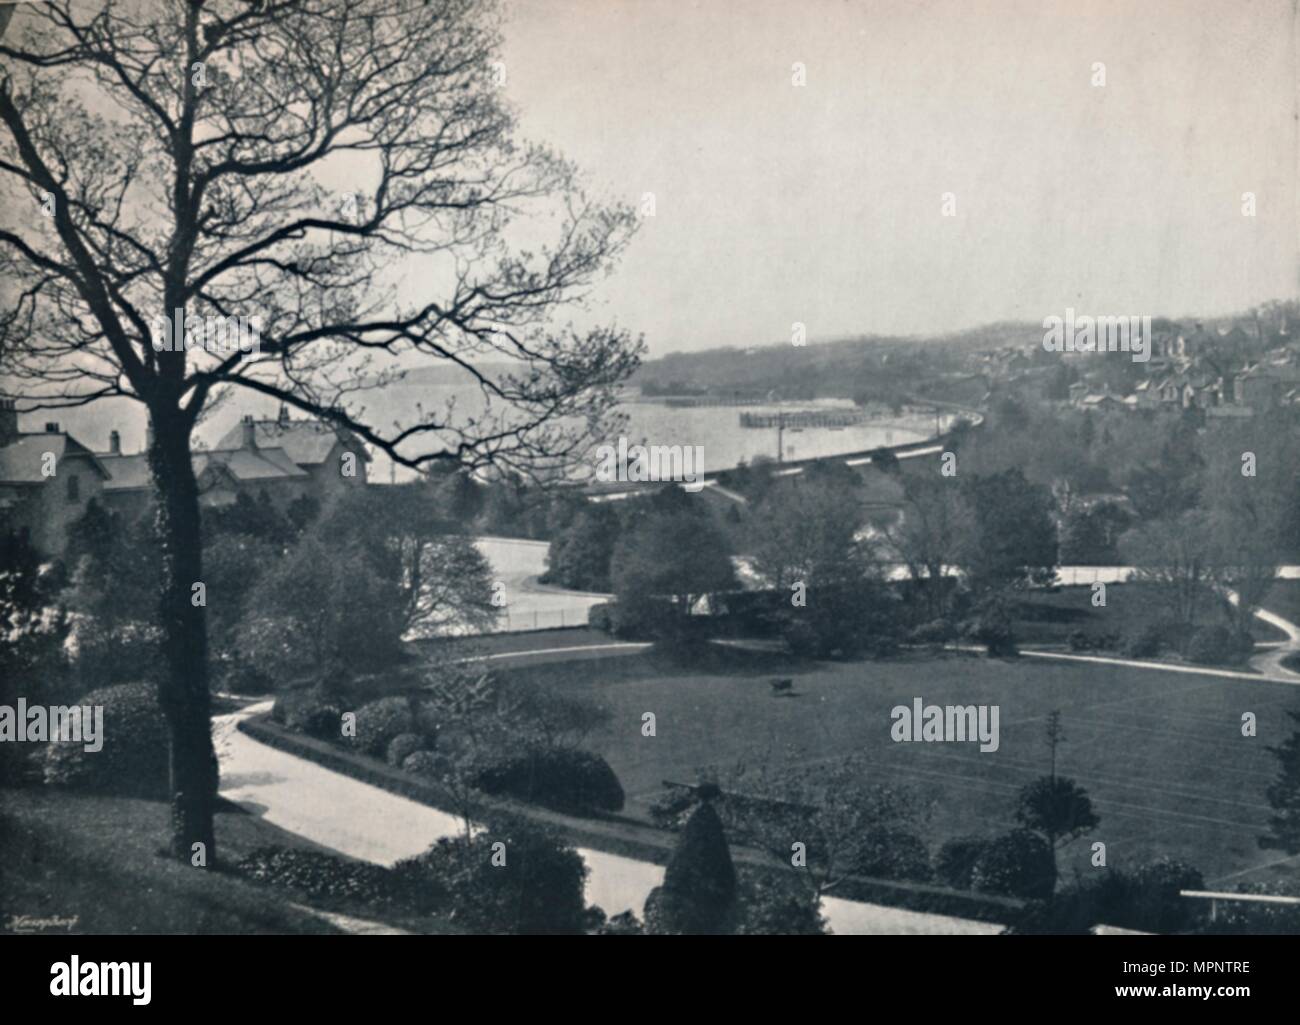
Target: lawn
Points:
(96, 858)
(1161, 753)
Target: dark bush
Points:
(530, 885)
(1146, 643)
(699, 889)
(314, 711)
(133, 759)
(1155, 905)
(318, 874)
(379, 722)
(1080, 640)
(402, 746)
(993, 630)
(600, 617)
(893, 854)
(1251, 918)
(956, 860)
(1217, 645)
(1146, 901)
(563, 778)
(1015, 864)
(775, 906)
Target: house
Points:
(284, 459)
(331, 457)
(46, 479)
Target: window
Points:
(74, 488)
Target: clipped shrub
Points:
(698, 894)
(403, 745)
(378, 722)
(422, 763)
(133, 759)
(955, 862)
(1146, 643)
(1015, 864)
(600, 617)
(563, 778)
(771, 906)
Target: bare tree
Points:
(188, 156)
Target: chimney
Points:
(8, 421)
(51, 427)
(250, 431)
(283, 418)
(114, 443)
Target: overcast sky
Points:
(822, 204)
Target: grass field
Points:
(1161, 754)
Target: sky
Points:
(823, 203)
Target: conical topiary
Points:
(699, 888)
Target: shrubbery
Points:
(1146, 643)
(1217, 645)
(319, 874)
(993, 630)
(936, 632)
(531, 885)
(1015, 864)
(402, 746)
(315, 711)
(133, 759)
(1146, 901)
(422, 763)
(893, 854)
(563, 778)
(600, 617)
(380, 721)
(955, 862)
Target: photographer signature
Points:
(31, 923)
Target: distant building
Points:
(46, 479)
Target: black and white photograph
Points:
(651, 467)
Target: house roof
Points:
(307, 442)
(22, 460)
(131, 473)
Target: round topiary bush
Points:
(379, 722)
(1015, 864)
(563, 778)
(133, 758)
(403, 745)
(421, 763)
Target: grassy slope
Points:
(96, 858)
(1161, 753)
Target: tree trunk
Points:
(183, 692)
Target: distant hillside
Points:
(842, 368)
